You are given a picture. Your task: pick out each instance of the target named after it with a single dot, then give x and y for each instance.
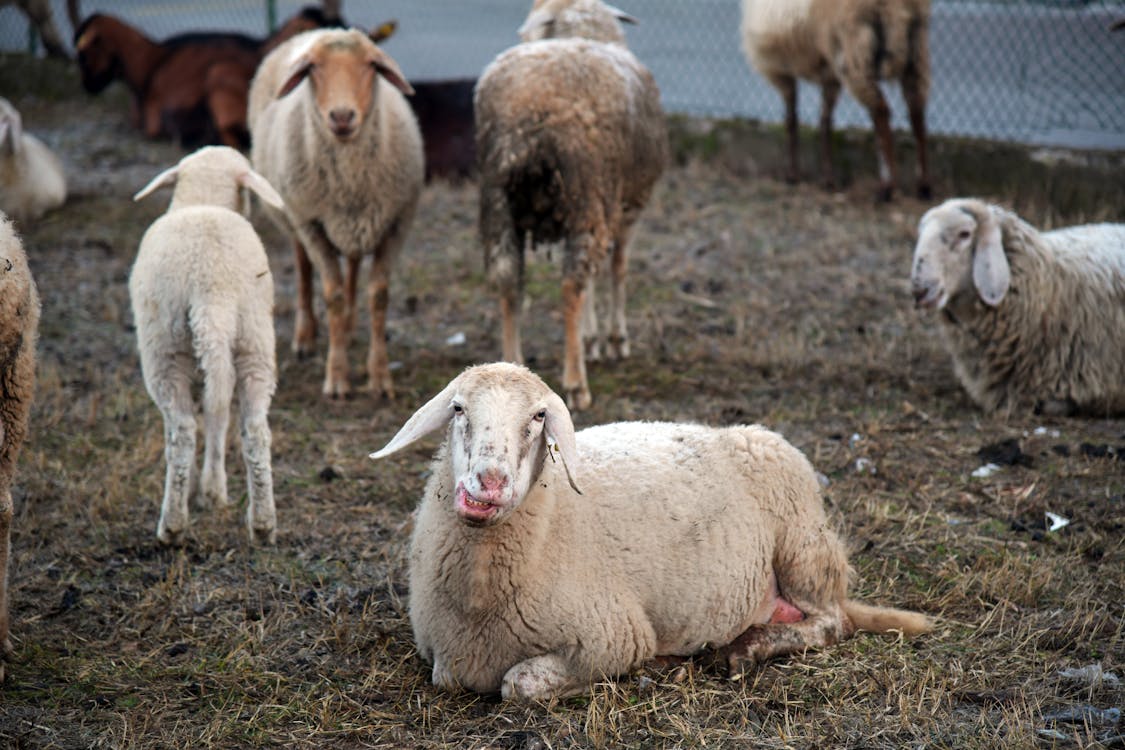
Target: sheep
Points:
(542, 559)
(1033, 320)
(570, 141)
(19, 325)
(32, 180)
(858, 43)
(332, 130)
(191, 87)
(201, 289)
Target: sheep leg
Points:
(339, 335)
(6, 512)
(512, 350)
(914, 90)
(868, 94)
(168, 378)
(787, 86)
(574, 367)
(540, 678)
(829, 93)
(590, 339)
(351, 281)
(255, 389)
(762, 642)
(618, 332)
(378, 368)
(304, 325)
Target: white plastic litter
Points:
(457, 339)
(986, 471)
(1055, 521)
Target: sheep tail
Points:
(886, 619)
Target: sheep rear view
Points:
(19, 325)
(570, 142)
(1033, 320)
(201, 289)
(542, 560)
(858, 43)
(332, 130)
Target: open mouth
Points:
(927, 298)
(473, 510)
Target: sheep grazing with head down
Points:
(32, 181)
(1034, 320)
(570, 141)
(201, 289)
(542, 560)
(19, 325)
(332, 130)
(854, 42)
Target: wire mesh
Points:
(1028, 71)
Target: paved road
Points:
(1033, 73)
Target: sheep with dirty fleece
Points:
(332, 130)
(855, 42)
(19, 326)
(571, 139)
(32, 180)
(542, 560)
(201, 289)
(1033, 320)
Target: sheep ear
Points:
(383, 31)
(167, 177)
(433, 415)
(301, 70)
(260, 185)
(11, 130)
(622, 15)
(388, 68)
(991, 274)
(559, 431)
(536, 19)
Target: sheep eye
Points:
(540, 415)
(964, 234)
(458, 409)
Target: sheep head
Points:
(960, 246)
(503, 423)
(213, 176)
(343, 67)
(588, 19)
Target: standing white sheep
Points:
(1033, 320)
(682, 536)
(330, 128)
(570, 141)
(201, 289)
(19, 326)
(32, 181)
(858, 43)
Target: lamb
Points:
(201, 288)
(570, 141)
(32, 180)
(1033, 319)
(857, 42)
(19, 325)
(542, 560)
(331, 129)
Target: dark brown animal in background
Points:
(444, 109)
(190, 87)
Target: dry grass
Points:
(751, 301)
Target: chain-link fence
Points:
(1029, 71)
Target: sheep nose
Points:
(342, 119)
(492, 483)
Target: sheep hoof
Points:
(578, 399)
(384, 390)
(537, 678)
(304, 348)
(263, 535)
(336, 388)
(618, 347)
(170, 537)
(593, 350)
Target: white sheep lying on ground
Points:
(19, 325)
(201, 288)
(571, 139)
(858, 43)
(1034, 320)
(331, 129)
(542, 560)
(32, 181)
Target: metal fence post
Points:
(271, 16)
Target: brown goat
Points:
(190, 87)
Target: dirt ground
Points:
(750, 301)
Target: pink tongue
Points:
(784, 612)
